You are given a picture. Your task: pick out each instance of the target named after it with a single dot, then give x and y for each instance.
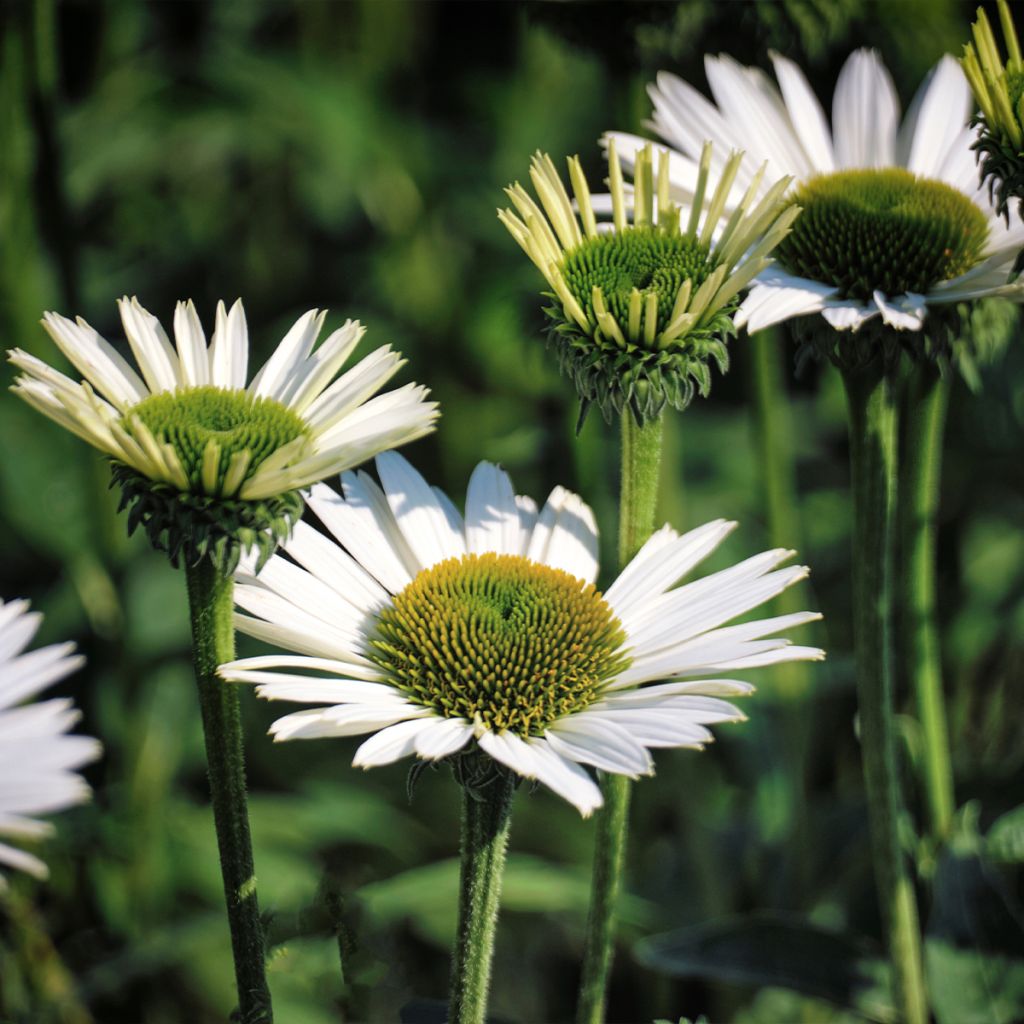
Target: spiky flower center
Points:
(650, 259)
(237, 422)
(501, 640)
(882, 230)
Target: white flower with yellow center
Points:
(187, 423)
(435, 631)
(38, 760)
(894, 219)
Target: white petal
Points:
(229, 350)
(596, 740)
(865, 113)
(279, 371)
(151, 346)
(849, 315)
(344, 720)
(565, 536)
(391, 744)
(367, 531)
(805, 114)
(441, 737)
(492, 516)
(191, 342)
(662, 561)
(904, 313)
(417, 511)
(937, 118)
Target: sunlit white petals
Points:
(787, 126)
(666, 685)
(39, 761)
(344, 424)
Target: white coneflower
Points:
(38, 759)
(187, 423)
(894, 220)
(643, 303)
(437, 633)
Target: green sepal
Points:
(1002, 169)
(639, 380)
(190, 527)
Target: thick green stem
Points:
(210, 597)
(873, 446)
(926, 399)
(638, 497)
(486, 816)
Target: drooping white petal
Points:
(391, 744)
(849, 315)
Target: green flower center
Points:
(189, 419)
(882, 230)
(501, 640)
(650, 259)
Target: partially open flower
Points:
(209, 465)
(998, 89)
(39, 761)
(643, 304)
(442, 635)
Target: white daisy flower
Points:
(191, 421)
(38, 760)
(434, 632)
(894, 218)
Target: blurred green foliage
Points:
(351, 155)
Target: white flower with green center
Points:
(643, 303)
(436, 632)
(894, 220)
(39, 762)
(188, 436)
(998, 89)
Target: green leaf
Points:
(974, 950)
(775, 950)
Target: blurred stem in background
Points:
(873, 417)
(638, 497)
(790, 681)
(486, 818)
(926, 399)
(211, 602)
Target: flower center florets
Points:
(189, 419)
(882, 230)
(650, 259)
(500, 640)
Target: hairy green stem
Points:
(925, 401)
(873, 421)
(638, 497)
(211, 601)
(486, 817)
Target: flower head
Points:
(641, 306)
(998, 89)
(894, 222)
(209, 464)
(38, 760)
(438, 633)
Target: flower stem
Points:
(641, 470)
(211, 603)
(925, 401)
(873, 451)
(486, 817)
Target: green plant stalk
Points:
(638, 497)
(926, 399)
(211, 602)
(486, 817)
(873, 420)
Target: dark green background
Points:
(352, 155)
